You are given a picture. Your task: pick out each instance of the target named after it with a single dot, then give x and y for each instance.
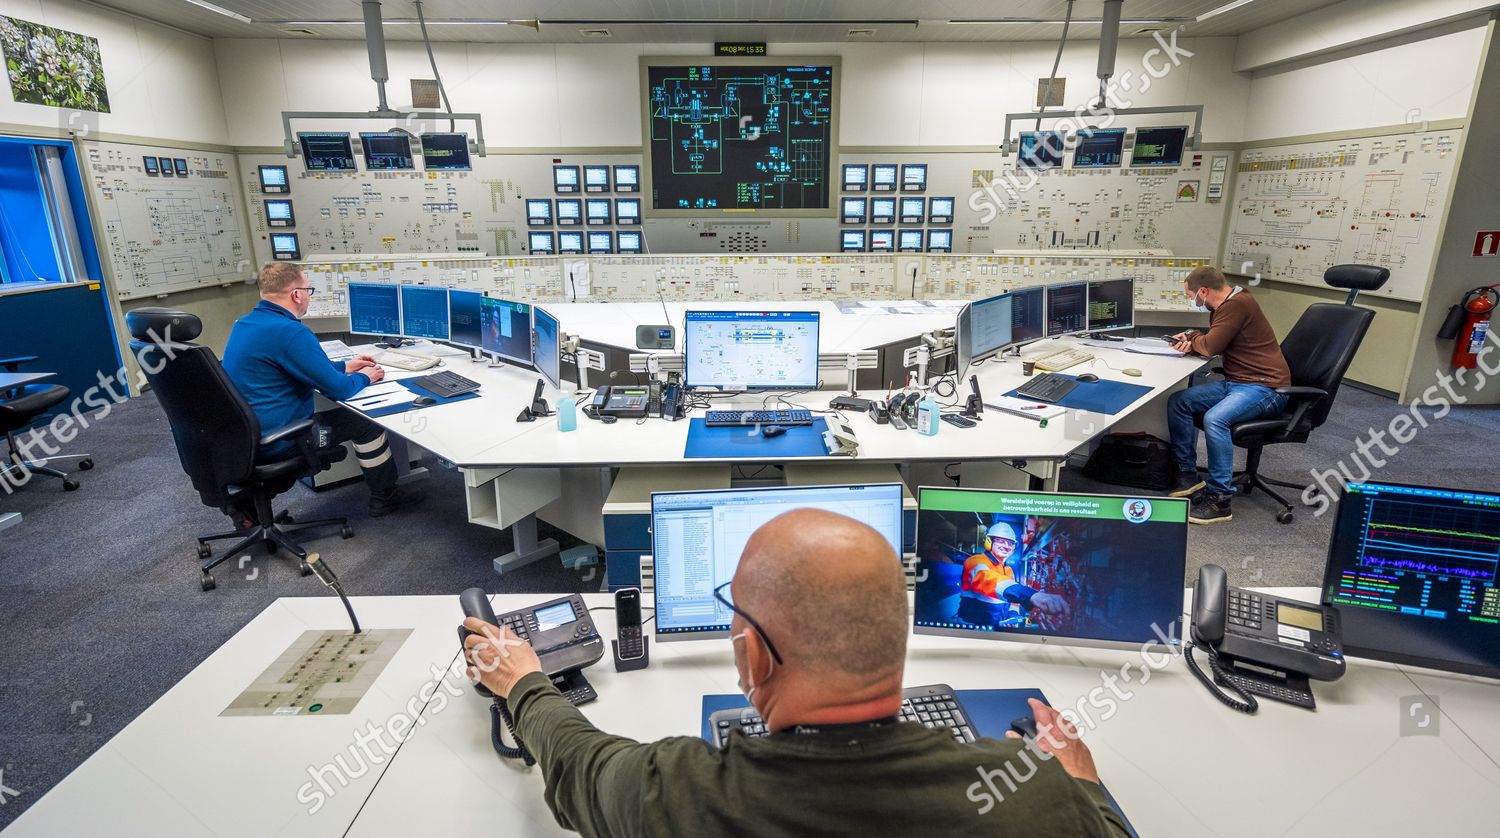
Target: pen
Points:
(1035, 407)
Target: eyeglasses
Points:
(723, 594)
(308, 288)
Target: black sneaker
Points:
(1209, 508)
(1185, 484)
(396, 500)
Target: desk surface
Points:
(17, 379)
(1177, 761)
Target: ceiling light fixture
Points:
(1033, 21)
(1227, 7)
(406, 21)
(220, 10)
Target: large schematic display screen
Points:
(740, 137)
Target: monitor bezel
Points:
(607, 220)
(903, 218)
(630, 220)
(588, 241)
(907, 233)
(893, 186)
(564, 189)
(582, 243)
(906, 187)
(1131, 324)
(278, 223)
(627, 187)
(348, 143)
(1116, 165)
(574, 221)
(988, 353)
(468, 164)
(635, 251)
(448, 304)
(1031, 163)
(1181, 151)
(609, 183)
(411, 156)
(455, 341)
(1047, 308)
(551, 238)
(1029, 289)
(530, 326)
(941, 220)
(286, 255)
(844, 182)
(284, 188)
(931, 248)
(537, 220)
(748, 388)
(864, 212)
(864, 240)
(348, 290)
(556, 378)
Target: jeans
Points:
(1221, 404)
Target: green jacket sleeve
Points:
(1095, 794)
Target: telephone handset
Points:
(566, 641)
(1247, 633)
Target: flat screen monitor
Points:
(1413, 572)
(181, 166)
(569, 242)
(285, 247)
(1111, 304)
(153, 168)
(882, 210)
(602, 241)
(1098, 148)
(909, 241)
(882, 241)
(386, 152)
(1028, 320)
(596, 178)
(548, 359)
(913, 210)
(424, 312)
(698, 538)
(627, 178)
(856, 177)
(565, 179)
(539, 242)
(883, 177)
(1082, 570)
(279, 213)
(598, 211)
(991, 324)
(374, 309)
(273, 179)
(940, 241)
(1067, 308)
(539, 211)
(326, 151)
(963, 342)
(914, 177)
(1040, 150)
(629, 241)
(853, 210)
(751, 350)
(445, 151)
(505, 329)
(940, 211)
(1159, 146)
(627, 211)
(852, 241)
(569, 211)
(166, 166)
(464, 315)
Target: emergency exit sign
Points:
(1487, 243)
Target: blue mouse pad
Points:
(1102, 396)
(746, 441)
(391, 410)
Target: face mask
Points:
(1196, 304)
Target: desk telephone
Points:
(1259, 644)
(565, 639)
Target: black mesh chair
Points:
(218, 437)
(1318, 349)
(19, 408)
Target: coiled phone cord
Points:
(1241, 701)
(500, 714)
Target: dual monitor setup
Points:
(990, 326)
(1103, 148)
(1411, 570)
(520, 333)
(333, 151)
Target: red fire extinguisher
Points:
(1468, 323)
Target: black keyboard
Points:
(735, 418)
(1048, 387)
(931, 706)
(632, 645)
(446, 384)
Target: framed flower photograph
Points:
(48, 66)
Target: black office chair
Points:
(1318, 349)
(218, 437)
(21, 406)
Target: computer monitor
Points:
(285, 247)
(1040, 150)
(505, 329)
(386, 152)
(882, 210)
(279, 213)
(627, 211)
(853, 210)
(424, 312)
(181, 166)
(629, 241)
(569, 212)
(939, 241)
(1067, 308)
(751, 350)
(539, 211)
(539, 242)
(445, 151)
(548, 360)
(1098, 147)
(374, 309)
(909, 241)
(913, 210)
(464, 315)
(627, 178)
(1159, 146)
(273, 179)
(856, 177)
(852, 241)
(1028, 307)
(698, 538)
(602, 241)
(596, 178)
(914, 177)
(598, 212)
(565, 179)
(1412, 570)
(569, 242)
(1081, 570)
(883, 177)
(154, 168)
(882, 241)
(1112, 304)
(166, 166)
(963, 341)
(326, 151)
(940, 211)
(991, 325)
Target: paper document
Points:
(1140, 346)
(380, 389)
(1029, 408)
(384, 400)
(336, 350)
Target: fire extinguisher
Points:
(1468, 323)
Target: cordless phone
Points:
(631, 644)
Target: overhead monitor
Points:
(1415, 574)
(326, 151)
(883, 177)
(751, 350)
(629, 241)
(181, 166)
(505, 329)
(940, 241)
(882, 210)
(1040, 149)
(913, 210)
(914, 177)
(1067, 308)
(565, 179)
(1098, 148)
(441, 152)
(464, 315)
(539, 211)
(386, 152)
(853, 210)
(374, 309)
(856, 177)
(627, 211)
(569, 211)
(424, 312)
(698, 538)
(601, 241)
(596, 178)
(991, 322)
(1159, 146)
(726, 136)
(909, 241)
(1111, 304)
(166, 166)
(273, 179)
(548, 360)
(285, 247)
(569, 242)
(598, 212)
(882, 241)
(1028, 309)
(627, 178)
(152, 168)
(540, 242)
(940, 211)
(279, 213)
(852, 241)
(1083, 570)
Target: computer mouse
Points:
(770, 431)
(423, 401)
(1026, 726)
(1132, 371)
(1088, 378)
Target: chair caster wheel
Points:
(346, 533)
(273, 547)
(1284, 517)
(304, 569)
(204, 551)
(285, 518)
(85, 465)
(208, 582)
(70, 485)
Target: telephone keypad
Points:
(1247, 609)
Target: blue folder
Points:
(726, 442)
(391, 410)
(1102, 396)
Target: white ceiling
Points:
(667, 21)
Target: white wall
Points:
(162, 83)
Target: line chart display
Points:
(1432, 538)
(740, 137)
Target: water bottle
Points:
(567, 413)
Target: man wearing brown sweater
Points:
(821, 649)
(1239, 333)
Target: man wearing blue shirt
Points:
(277, 364)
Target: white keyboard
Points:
(1059, 359)
(409, 361)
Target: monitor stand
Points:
(1288, 687)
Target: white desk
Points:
(1178, 762)
(21, 379)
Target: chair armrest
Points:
(287, 433)
(12, 364)
(1302, 392)
(302, 433)
(1303, 399)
